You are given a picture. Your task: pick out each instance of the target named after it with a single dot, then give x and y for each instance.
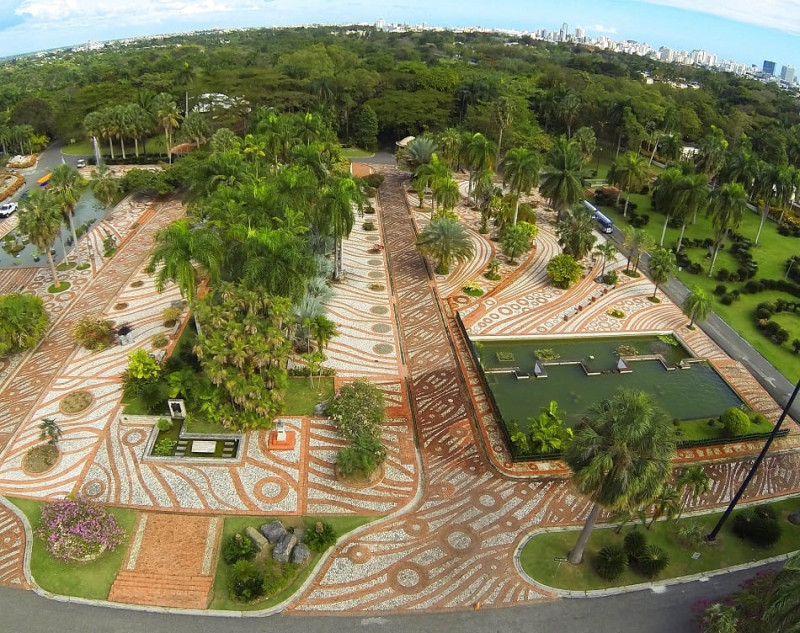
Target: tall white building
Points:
(562, 35)
(579, 34)
(788, 74)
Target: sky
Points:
(743, 30)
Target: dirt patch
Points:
(75, 402)
(40, 459)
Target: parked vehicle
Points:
(606, 223)
(7, 208)
(81, 163)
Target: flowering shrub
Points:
(73, 528)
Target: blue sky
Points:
(743, 30)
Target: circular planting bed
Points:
(64, 285)
(383, 348)
(378, 310)
(120, 306)
(75, 402)
(381, 328)
(377, 287)
(40, 459)
(362, 482)
(616, 313)
(137, 284)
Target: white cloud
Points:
(783, 15)
(599, 28)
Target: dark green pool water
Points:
(698, 392)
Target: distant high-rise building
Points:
(788, 74)
(768, 68)
(562, 35)
(579, 34)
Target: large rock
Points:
(794, 518)
(273, 531)
(300, 554)
(258, 539)
(300, 533)
(320, 408)
(283, 548)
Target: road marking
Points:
(659, 589)
(368, 621)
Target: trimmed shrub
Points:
(721, 289)
(758, 525)
(635, 543)
(246, 581)
(321, 537)
(164, 424)
(759, 419)
(239, 547)
(170, 316)
(369, 225)
(652, 561)
(735, 421)
(610, 277)
(160, 340)
(94, 333)
(610, 562)
(727, 299)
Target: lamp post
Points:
(713, 534)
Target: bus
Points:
(606, 223)
(44, 180)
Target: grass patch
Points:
(355, 152)
(55, 289)
(65, 266)
(136, 406)
(83, 266)
(233, 525)
(539, 554)
(302, 396)
(84, 580)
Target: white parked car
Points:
(81, 163)
(7, 208)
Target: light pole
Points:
(792, 261)
(713, 534)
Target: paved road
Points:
(638, 612)
(734, 345)
(49, 159)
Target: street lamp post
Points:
(713, 534)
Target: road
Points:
(49, 159)
(734, 345)
(639, 612)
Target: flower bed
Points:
(77, 529)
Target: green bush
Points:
(321, 537)
(610, 278)
(23, 322)
(735, 421)
(634, 544)
(239, 547)
(165, 447)
(170, 316)
(246, 581)
(652, 561)
(164, 424)
(690, 533)
(610, 562)
(369, 225)
(94, 333)
(758, 525)
(564, 271)
(275, 575)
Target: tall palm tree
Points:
(693, 198)
(697, 304)
(764, 180)
(666, 197)
(184, 78)
(727, 207)
(502, 116)
(576, 233)
(93, 126)
(631, 172)
(662, 266)
(40, 220)
(693, 482)
(450, 143)
(179, 251)
(782, 614)
(446, 241)
(667, 503)
(521, 168)
(620, 457)
(67, 185)
(428, 175)
(606, 250)
(168, 117)
(787, 180)
(446, 194)
(561, 179)
(637, 241)
(478, 152)
(105, 185)
(335, 214)
(710, 158)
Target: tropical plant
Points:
(165, 447)
(446, 241)
(94, 333)
(23, 322)
(635, 543)
(697, 304)
(611, 561)
(563, 271)
(502, 116)
(362, 457)
(335, 213)
(105, 185)
(321, 537)
(606, 249)
(238, 547)
(67, 185)
(576, 233)
(49, 431)
(727, 207)
(40, 220)
(418, 151)
(516, 239)
(693, 482)
(662, 266)
(74, 528)
(561, 179)
(246, 581)
(168, 117)
(631, 172)
(620, 457)
(478, 153)
(637, 241)
(548, 433)
(735, 422)
(782, 614)
(521, 169)
(358, 409)
(668, 503)
(652, 561)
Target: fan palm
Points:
(662, 266)
(783, 605)
(631, 172)
(446, 241)
(727, 207)
(561, 179)
(620, 457)
(576, 233)
(697, 304)
(40, 220)
(168, 117)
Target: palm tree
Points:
(782, 614)
(606, 250)
(727, 207)
(561, 179)
(184, 79)
(446, 194)
(785, 184)
(693, 197)
(168, 117)
(254, 147)
(428, 175)
(40, 220)
(322, 330)
(697, 304)
(93, 125)
(179, 251)
(335, 214)
(105, 185)
(446, 241)
(693, 483)
(419, 151)
(576, 233)
(195, 128)
(631, 172)
(450, 143)
(49, 431)
(637, 241)
(479, 154)
(710, 157)
(662, 266)
(667, 503)
(764, 180)
(67, 185)
(521, 172)
(502, 116)
(620, 457)
(666, 196)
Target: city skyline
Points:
(735, 31)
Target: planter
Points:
(361, 484)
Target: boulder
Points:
(300, 533)
(283, 548)
(300, 554)
(274, 531)
(258, 539)
(320, 408)
(794, 518)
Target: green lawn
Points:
(540, 556)
(84, 580)
(771, 255)
(233, 525)
(702, 430)
(155, 145)
(301, 395)
(355, 152)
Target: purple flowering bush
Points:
(74, 528)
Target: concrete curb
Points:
(652, 586)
